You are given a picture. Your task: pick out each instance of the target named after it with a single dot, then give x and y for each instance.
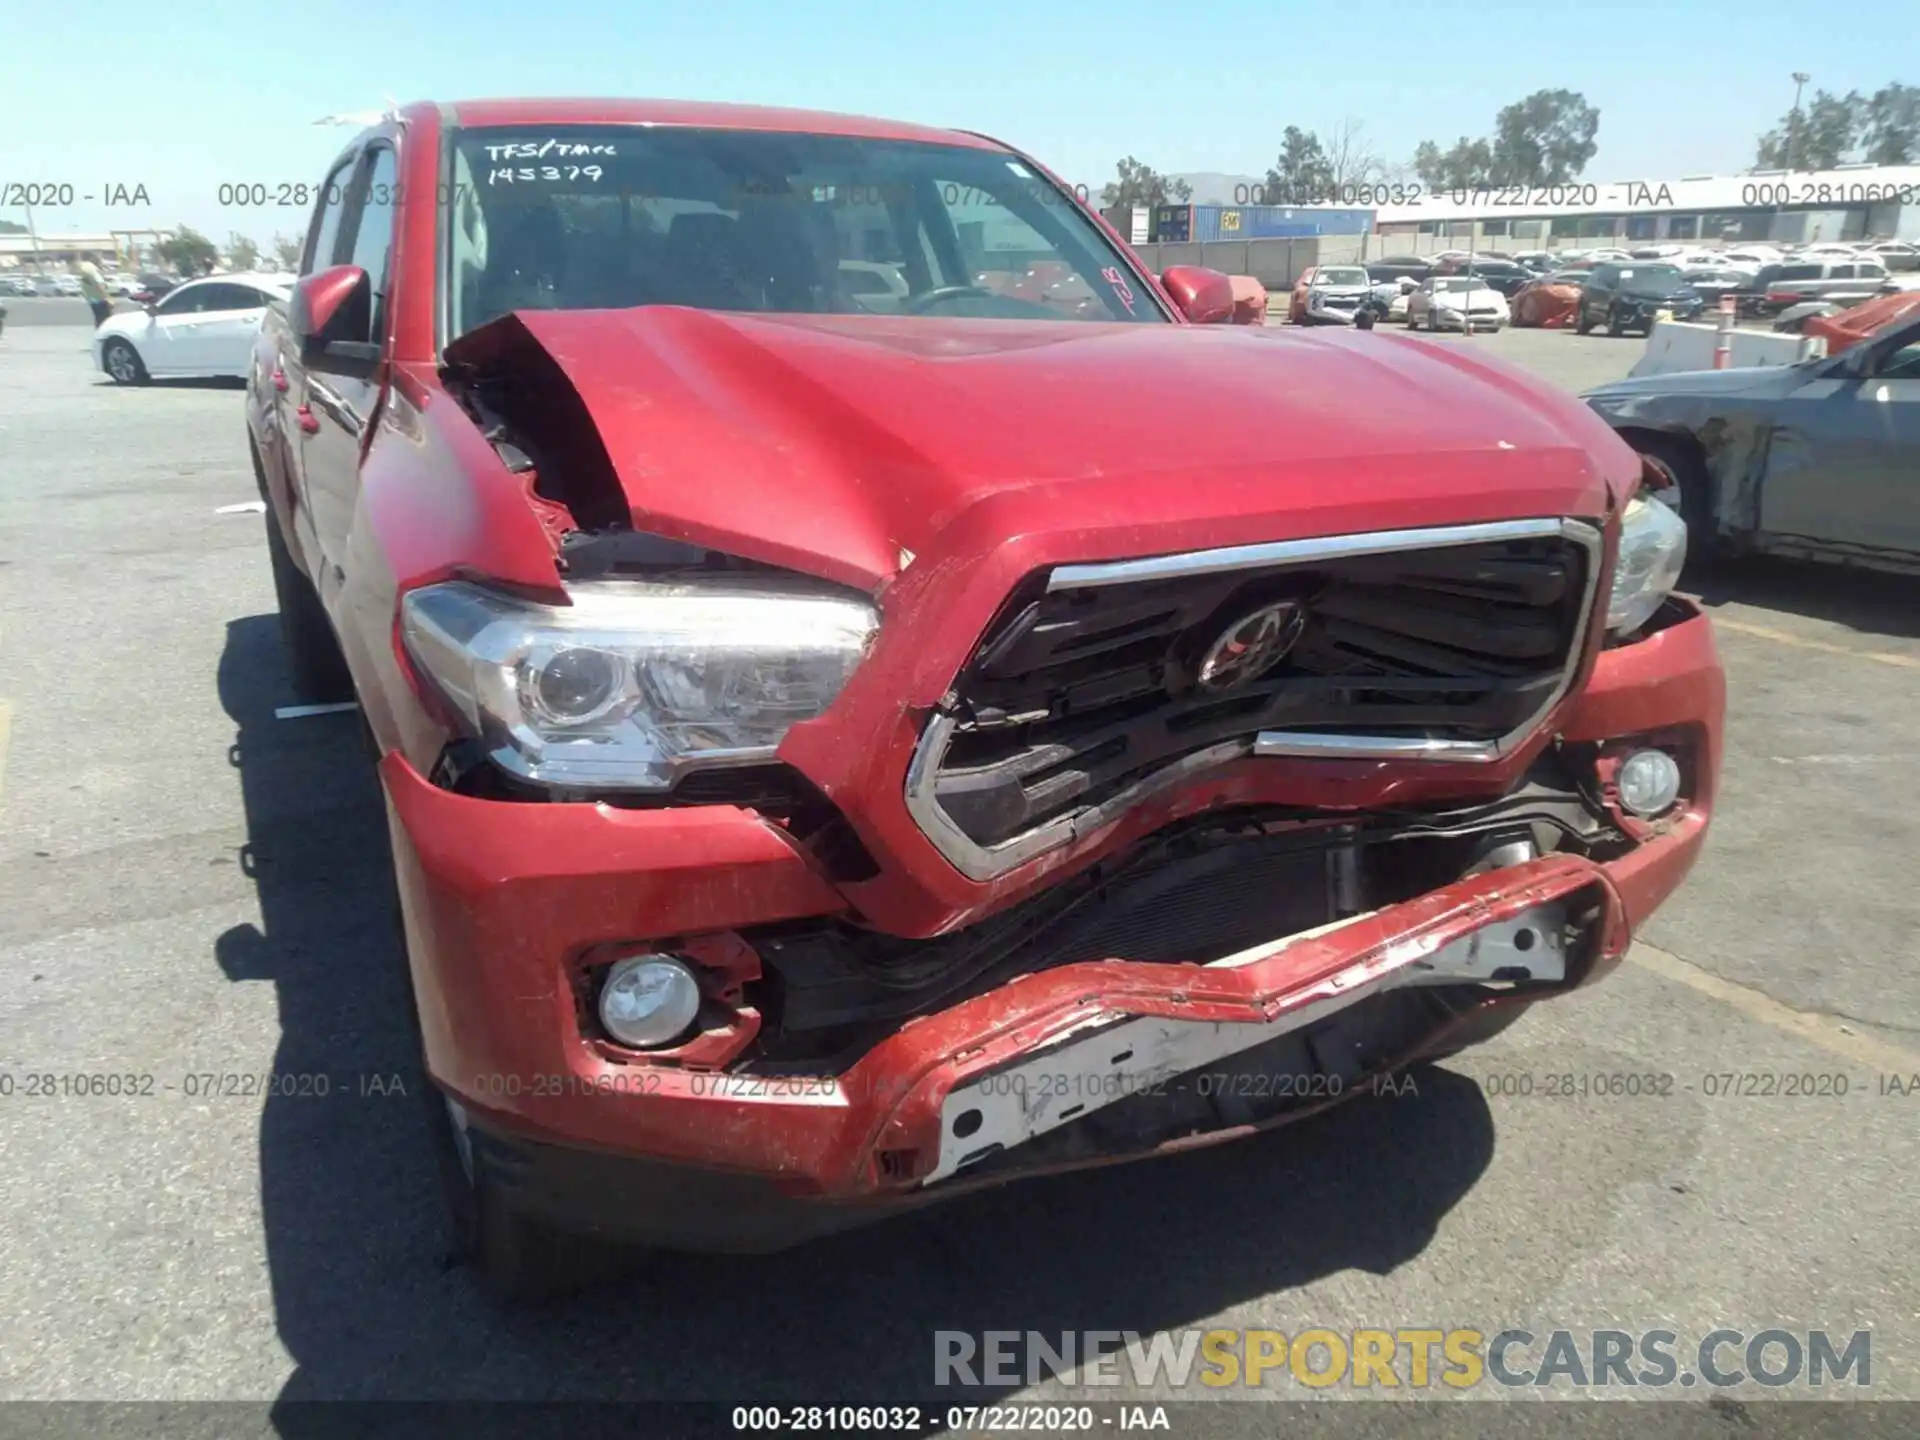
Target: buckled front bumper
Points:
(499, 896)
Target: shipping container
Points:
(1172, 224)
(1179, 224)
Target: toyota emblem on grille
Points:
(1252, 645)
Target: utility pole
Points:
(1800, 78)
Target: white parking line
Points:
(245, 507)
(300, 712)
(1828, 1033)
(1781, 637)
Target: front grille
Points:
(1080, 694)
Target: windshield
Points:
(570, 217)
(1463, 283)
(1651, 279)
(1342, 275)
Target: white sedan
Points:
(1456, 302)
(202, 328)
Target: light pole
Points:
(1800, 78)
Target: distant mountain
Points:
(1215, 187)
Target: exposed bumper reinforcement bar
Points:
(1112, 1060)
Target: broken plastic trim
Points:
(987, 862)
(1066, 1082)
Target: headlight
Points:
(634, 681)
(1653, 548)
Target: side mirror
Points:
(331, 316)
(1204, 296)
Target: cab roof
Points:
(702, 114)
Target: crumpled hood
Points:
(1741, 380)
(846, 445)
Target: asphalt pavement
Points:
(191, 888)
(54, 309)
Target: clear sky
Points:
(181, 99)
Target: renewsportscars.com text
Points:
(1410, 1358)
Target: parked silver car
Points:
(1826, 277)
(1813, 460)
(1334, 292)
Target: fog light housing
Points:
(649, 1000)
(1648, 782)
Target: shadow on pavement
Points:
(1862, 600)
(367, 1307)
(184, 382)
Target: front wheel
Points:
(516, 1258)
(1688, 479)
(122, 362)
(319, 669)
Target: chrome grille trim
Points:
(987, 862)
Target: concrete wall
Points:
(1276, 264)
(1676, 346)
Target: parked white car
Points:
(1895, 254)
(1758, 256)
(1456, 302)
(202, 328)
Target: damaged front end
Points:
(1073, 859)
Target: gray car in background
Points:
(1334, 292)
(1819, 460)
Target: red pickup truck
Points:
(857, 729)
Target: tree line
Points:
(1878, 129)
(187, 252)
(1547, 138)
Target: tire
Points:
(320, 673)
(123, 363)
(1696, 489)
(515, 1258)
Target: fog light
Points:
(1648, 782)
(649, 1000)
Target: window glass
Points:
(373, 236)
(1800, 272)
(1902, 364)
(227, 297)
(326, 228)
(588, 217)
(183, 300)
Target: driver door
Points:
(1841, 461)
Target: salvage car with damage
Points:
(846, 745)
(1811, 461)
